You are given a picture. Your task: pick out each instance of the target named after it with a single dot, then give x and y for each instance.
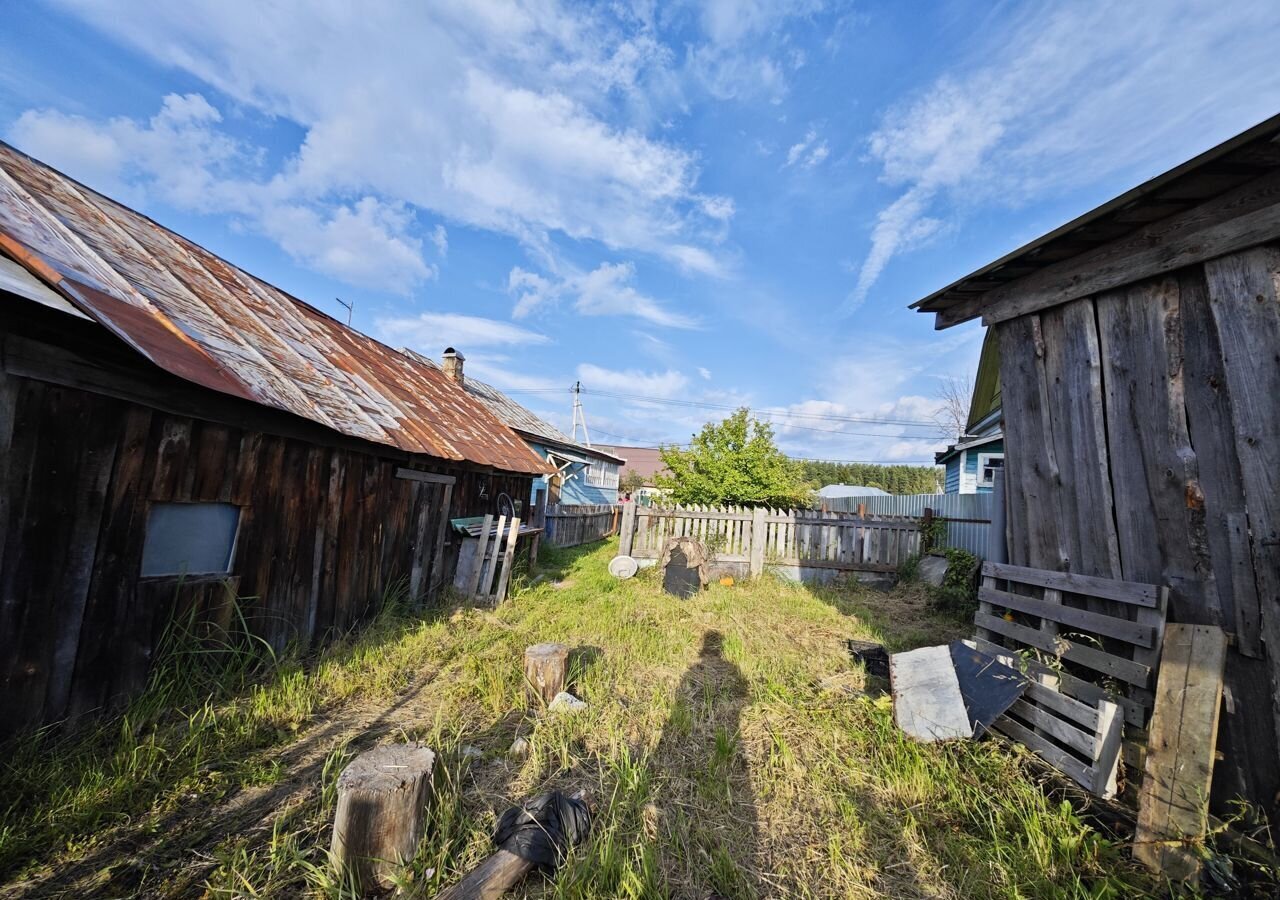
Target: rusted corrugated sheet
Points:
(205, 320)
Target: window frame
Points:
(983, 459)
(193, 576)
(608, 480)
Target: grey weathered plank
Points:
(1082, 714)
(1032, 475)
(1082, 494)
(1209, 428)
(508, 557)
(1244, 217)
(1173, 804)
(1059, 729)
(1155, 469)
(1054, 755)
(1112, 589)
(1098, 660)
(477, 563)
(1123, 629)
(1246, 308)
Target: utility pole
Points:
(579, 415)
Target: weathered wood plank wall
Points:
(569, 525)
(1142, 430)
(324, 532)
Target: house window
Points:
(602, 475)
(988, 463)
(190, 539)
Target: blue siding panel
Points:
(575, 491)
(953, 476)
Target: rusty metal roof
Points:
(518, 418)
(207, 321)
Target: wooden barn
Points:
(1139, 355)
(171, 426)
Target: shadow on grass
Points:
(181, 767)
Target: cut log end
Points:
(546, 667)
(382, 800)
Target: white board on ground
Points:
(927, 702)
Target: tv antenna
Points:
(350, 306)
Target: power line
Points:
(767, 411)
(865, 462)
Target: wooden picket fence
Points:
(570, 525)
(800, 539)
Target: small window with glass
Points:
(190, 539)
(988, 465)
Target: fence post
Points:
(757, 541)
(997, 546)
(862, 510)
(627, 537)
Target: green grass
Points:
(729, 745)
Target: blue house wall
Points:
(962, 468)
(574, 490)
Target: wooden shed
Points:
(175, 432)
(1139, 355)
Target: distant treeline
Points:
(894, 479)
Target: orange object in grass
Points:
(727, 581)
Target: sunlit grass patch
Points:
(714, 756)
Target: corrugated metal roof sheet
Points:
(205, 320)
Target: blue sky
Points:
(705, 204)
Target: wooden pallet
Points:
(1092, 647)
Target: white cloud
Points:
(482, 113)
(440, 237)
(180, 158)
(633, 381)
(809, 152)
(429, 332)
(704, 373)
(366, 243)
(1064, 96)
(604, 291)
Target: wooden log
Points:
(545, 669)
(382, 800)
(498, 874)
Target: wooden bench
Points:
(1091, 647)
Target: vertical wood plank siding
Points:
(324, 532)
(1142, 432)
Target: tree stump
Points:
(545, 667)
(382, 800)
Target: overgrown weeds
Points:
(714, 757)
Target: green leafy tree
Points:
(734, 462)
(631, 482)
